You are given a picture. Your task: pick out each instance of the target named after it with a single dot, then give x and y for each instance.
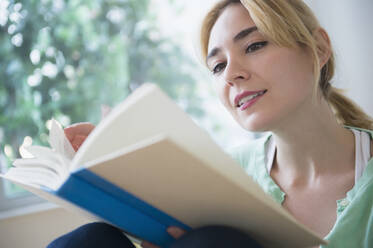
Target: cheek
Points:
(290, 73)
(223, 93)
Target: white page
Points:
(49, 160)
(59, 141)
(35, 177)
(48, 167)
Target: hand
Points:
(174, 231)
(77, 133)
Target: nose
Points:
(235, 72)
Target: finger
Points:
(79, 138)
(78, 141)
(176, 232)
(75, 147)
(82, 128)
(146, 244)
(69, 133)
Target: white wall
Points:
(349, 25)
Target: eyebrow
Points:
(242, 34)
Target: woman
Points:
(273, 64)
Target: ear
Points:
(324, 49)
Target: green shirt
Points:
(354, 224)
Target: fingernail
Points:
(174, 230)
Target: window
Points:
(64, 59)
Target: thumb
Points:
(175, 232)
(146, 244)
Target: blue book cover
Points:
(118, 207)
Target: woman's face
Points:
(245, 63)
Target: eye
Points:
(256, 46)
(218, 68)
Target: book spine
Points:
(118, 207)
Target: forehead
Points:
(232, 20)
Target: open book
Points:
(147, 166)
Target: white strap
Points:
(362, 152)
(270, 151)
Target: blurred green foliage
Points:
(63, 59)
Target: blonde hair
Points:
(291, 23)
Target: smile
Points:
(246, 99)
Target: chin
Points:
(255, 124)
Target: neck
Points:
(313, 144)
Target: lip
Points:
(244, 94)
